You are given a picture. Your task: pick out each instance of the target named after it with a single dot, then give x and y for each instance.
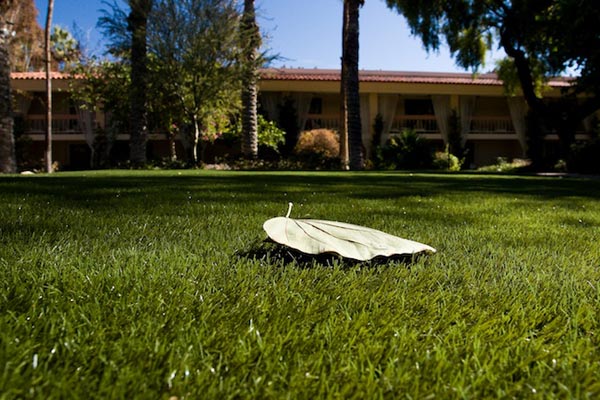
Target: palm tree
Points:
(48, 66)
(250, 37)
(7, 141)
(351, 125)
(137, 23)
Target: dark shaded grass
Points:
(158, 284)
(269, 252)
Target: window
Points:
(418, 107)
(316, 106)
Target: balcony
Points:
(62, 124)
(66, 127)
(418, 123)
(318, 121)
(492, 125)
(482, 127)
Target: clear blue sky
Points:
(305, 33)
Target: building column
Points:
(454, 102)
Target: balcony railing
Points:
(322, 122)
(69, 124)
(479, 124)
(419, 123)
(426, 124)
(61, 124)
(492, 125)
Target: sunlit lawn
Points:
(135, 285)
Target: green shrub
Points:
(503, 165)
(269, 135)
(447, 161)
(408, 150)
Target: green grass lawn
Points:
(128, 284)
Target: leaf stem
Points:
(290, 204)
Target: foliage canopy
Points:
(541, 39)
(195, 64)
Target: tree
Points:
(351, 124)
(7, 141)
(251, 40)
(195, 44)
(572, 29)
(137, 22)
(114, 26)
(27, 46)
(581, 46)
(193, 60)
(48, 63)
(103, 85)
(541, 38)
(66, 52)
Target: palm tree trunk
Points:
(138, 21)
(8, 164)
(343, 110)
(251, 42)
(350, 93)
(48, 154)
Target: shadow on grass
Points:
(137, 191)
(218, 185)
(270, 252)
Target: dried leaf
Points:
(313, 236)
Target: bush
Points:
(408, 150)
(324, 142)
(270, 138)
(503, 165)
(446, 161)
(269, 135)
(318, 149)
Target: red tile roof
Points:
(300, 74)
(38, 75)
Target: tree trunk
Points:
(251, 39)
(137, 23)
(343, 110)
(8, 163)
(538, 111)
(48, 153)
(350, 93)
(195, 141)
(566, 118)
(172, 148)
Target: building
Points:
(491, 124)
(73, 126)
